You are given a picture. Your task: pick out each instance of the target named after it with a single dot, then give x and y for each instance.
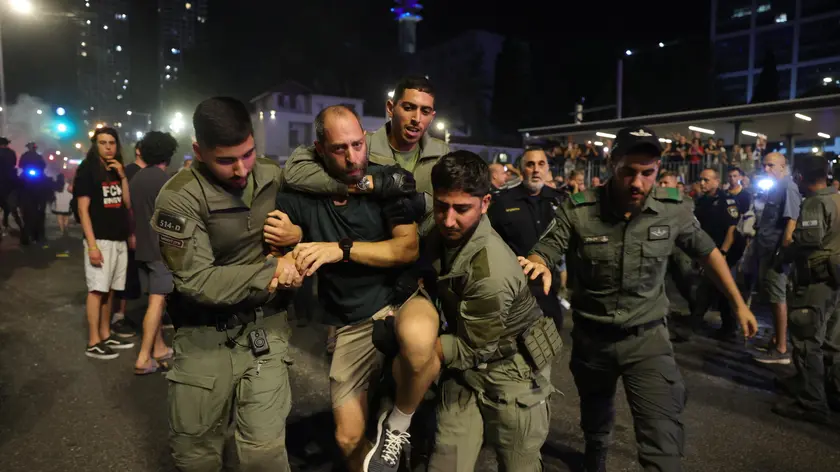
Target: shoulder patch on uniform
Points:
(667, 194)
(582, 198)
(810, 223)
(480, 265)
(180, 180)
(730, 201)
(733, 211)
(171, 222)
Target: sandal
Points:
(170, 353)
(153, 367)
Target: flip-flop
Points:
(153, 367)
(170, 353)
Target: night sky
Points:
(251, 45)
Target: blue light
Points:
(32, 172)
(62, 128)
(60, 111)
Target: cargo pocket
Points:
(194, 407)
(803, 323)
(654, 263)
(601, 267)
(533, 422)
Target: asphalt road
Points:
(62, 411)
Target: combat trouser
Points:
(208, 379)
(512, 417)
(644, 359)
(814, 318)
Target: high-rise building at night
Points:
(802, 35)
(177, 22)
(407, 14)
(103, 71)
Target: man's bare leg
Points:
(417, 365)
(152, 342)
(93, 309)
(105, 315)
(350, 431)
(781, 321)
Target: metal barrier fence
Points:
(688, 172)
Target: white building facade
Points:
(283, 119)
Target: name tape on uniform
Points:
(596, 240)
(656, 233)
(170, 241)
(170, 222)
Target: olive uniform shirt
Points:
(622, 262)
(211, 238)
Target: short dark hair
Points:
(667, 173)
(158, 147)
(321, 118)
(462, 170)
(812, 168)
(413, 82)
(221, 121)
(735, 169)
(717, 174)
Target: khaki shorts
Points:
(356, 362)
(772, 285)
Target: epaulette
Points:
(480, 264)
(583, 198)
(667, 194)
(265, 160)
(179, 180)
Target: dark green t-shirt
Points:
(350, 292)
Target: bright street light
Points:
(815, 150)
(138, 134)
(802, 117)
(662, 45)
(58, 153)
(827, 80)
(128, 112)
(39, 111)
(60, 111)
(391, 94)
(22, 6)
(90, 134)
(749, 133)
(824, 136)
(62, 128)
(177, 123)
(441, 125)
(628, 52)
(78, 145)
(701, 130)
(605, 135)
(99, 125)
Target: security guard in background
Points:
(718, 215)
(521, 214)
(232, 334)
(34, 191)
(494, 384)
(814, 305)
(619, 236)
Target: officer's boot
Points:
(595, 458)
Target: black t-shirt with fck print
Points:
(108, 213)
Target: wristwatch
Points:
(364, 185)
(345, 244)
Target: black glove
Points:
(407, 283)
(391, 182)
(405, 210)
(385, 337)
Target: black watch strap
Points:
(345, 244)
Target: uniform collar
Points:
(224, 198)
(464, 252)
(826, 191)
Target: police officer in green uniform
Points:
(403, 141)
(620, 236)
(231, 330)
(493, 389)
(814, 306)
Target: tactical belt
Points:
(226, 321)
(614, 332)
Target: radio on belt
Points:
(258, 342)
